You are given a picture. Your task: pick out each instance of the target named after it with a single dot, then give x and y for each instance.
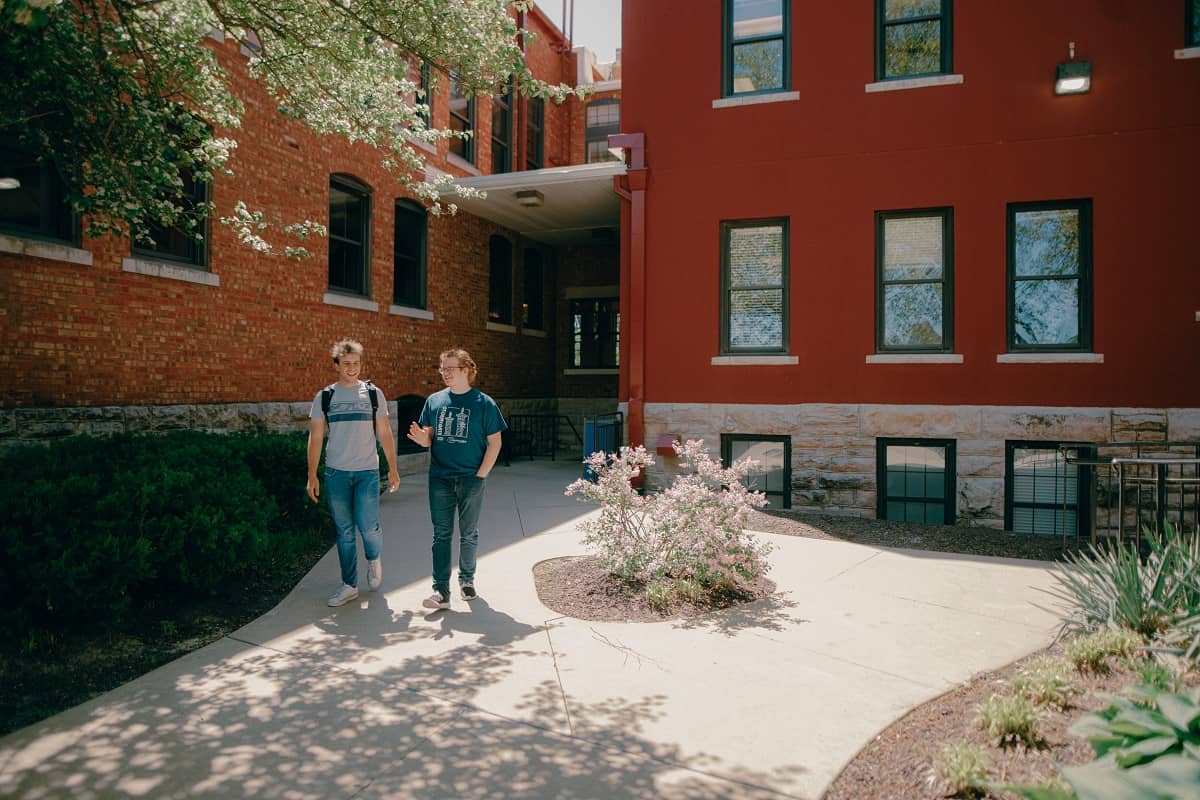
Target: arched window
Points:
(349, 234)
(408, 411)
(500, 280)
(408, 251)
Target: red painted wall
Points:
(831, 159)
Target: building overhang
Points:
(556, 206)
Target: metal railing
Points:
(1126, 486)
(533, 435)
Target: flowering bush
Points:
(690, 532)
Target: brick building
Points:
(873, 245)
(214, 335)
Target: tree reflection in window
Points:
(914, 291)
(1049, 268)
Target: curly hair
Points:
(464, 360)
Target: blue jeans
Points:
(445, 496)
(353, 498)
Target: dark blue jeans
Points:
(447, 495)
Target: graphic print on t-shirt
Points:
(350, 411)
(453, 422)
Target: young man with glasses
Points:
(355, 419)
(461, 426)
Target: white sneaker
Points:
(374, 573)
(437, 600)
(343, 595)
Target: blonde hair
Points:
(464, 360)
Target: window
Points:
(757, 46)
(349, 234)
(603, 118)
(32, 198)
(535, 136)
(425, 95)
(914, 290)
(1192, 24)
(595, 331)
(754, 286)
(534, 288)
(1050, 276)
(408, 251)
(500, 280)
(1042, 490)
(915, 480)
(179, 243)
(462, 120)
(773, 475)
(502, 130)
(913, 38)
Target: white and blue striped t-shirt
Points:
(351, 443)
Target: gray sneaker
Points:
(437, 600)
(343, 595)
(374, 573)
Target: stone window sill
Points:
(589, 371)
(501, 327)
(1050, 358)
(755, 99)
(914, 83)
(539, 334)
(170, 271)
(49, 250)
(915, 358)
(346, 301)
(460, 162)
(409, 311)
(753, 361)
(1187, 52)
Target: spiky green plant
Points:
(1046, 681)
(962, 768)
(1091, 653)
(1010, 718)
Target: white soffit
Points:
(576, 201)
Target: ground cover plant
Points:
(119, 554)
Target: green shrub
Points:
(104, 528)
(1091, 653)
(1009, 718)
(962, 768)
(1045, 681)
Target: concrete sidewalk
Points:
(503, 698)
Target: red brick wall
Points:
(96, 335)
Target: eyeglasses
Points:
(444, 370)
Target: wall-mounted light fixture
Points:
(530, 197)
(1073, 77)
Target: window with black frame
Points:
(534, 289)
(502, 130)
(409, 252)
(462, 120)
(754, 286)
(757, 46)
(349, 235)
(595, 332)
(32, 198)
(500, 275)
(535, 135)
(913, 38)
(914, 289)
(425, 81)
(1042, 490)
(602, 119)
(1050, 276)
(186, 241)
(915, 480)
(772, 473)
(1192, 24)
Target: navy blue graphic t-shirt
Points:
(461, 424)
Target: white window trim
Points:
(753, 361)
(501, 327)
(755, 99)
(914, 83)
(409, 311)
(455, 160)
(591, 371)
(345, 301)
(41, 249)
(915, 358)
(1050, 358)
(170, 270)
(1187, 52)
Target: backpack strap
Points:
(327, 399)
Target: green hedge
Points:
(92, 531)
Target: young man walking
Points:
(461, 426)
(356, 413)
